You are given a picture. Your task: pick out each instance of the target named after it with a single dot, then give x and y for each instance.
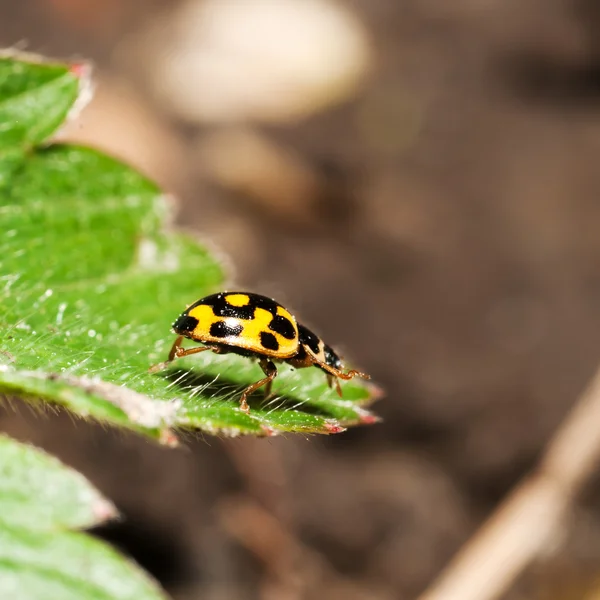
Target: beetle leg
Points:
(333, 372)
(177, 352)
(270, 370)
(268, 386)
(334, 382)
(180, 353)
(175, 348)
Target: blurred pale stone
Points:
(265, 60)
(274, 177)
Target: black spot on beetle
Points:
(245, 313)
(300, 354)
(264, 303)
(185, 324)
(332, 359)
(221, 329)
(307, 337)
(269, 341)
(283, 327)
(222, 308)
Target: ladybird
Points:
(254, 326)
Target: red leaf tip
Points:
(168, 438)
(268, 431)
(103, 510)
(369, 419)
(80, 70)
(333, 427)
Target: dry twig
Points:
(532, 514)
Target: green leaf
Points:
(35, 99)
(37, 490)
(91, 279)
(39, 558)
(63, 565)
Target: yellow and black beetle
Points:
(255, 326)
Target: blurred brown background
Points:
(420, 181)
